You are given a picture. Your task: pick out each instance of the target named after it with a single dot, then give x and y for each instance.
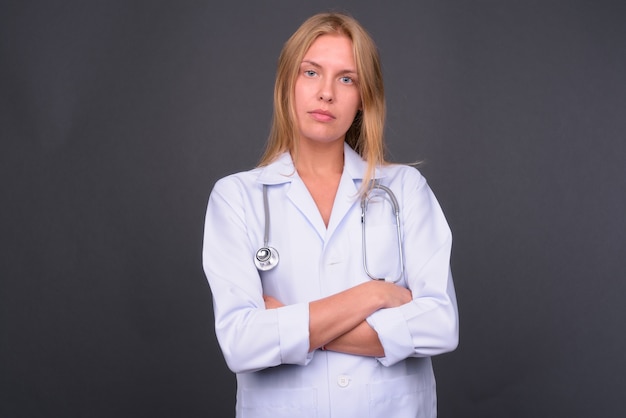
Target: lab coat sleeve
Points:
(250, 336)
(428, 325)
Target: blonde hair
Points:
(365, 135)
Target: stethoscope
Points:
(266, 257)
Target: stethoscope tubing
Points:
(266, 257)
(396, 210)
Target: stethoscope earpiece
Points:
(266, 258)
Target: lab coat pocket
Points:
(279, 403)
(400, 397)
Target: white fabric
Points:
(268, 349)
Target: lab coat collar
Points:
(354, 166)
(282, 170)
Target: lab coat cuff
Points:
(293, 329)
(393, 333)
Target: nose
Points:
(326, 97)
(326, 93)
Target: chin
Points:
(323, 140)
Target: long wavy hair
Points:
(365, 135)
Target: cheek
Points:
(356, 100)
(301, 95)
(356, 105)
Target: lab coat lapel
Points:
(347, 196)
(299, 195)
(283, 171)
(348, 191)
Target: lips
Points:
(321, 115)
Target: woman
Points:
(315, 335)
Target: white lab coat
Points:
(268, 349)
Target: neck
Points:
(316, 158)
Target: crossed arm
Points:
(337, 322)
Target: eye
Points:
(310, 73)
(346, 80)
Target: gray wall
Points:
(117, 117)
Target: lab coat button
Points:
(343, 381)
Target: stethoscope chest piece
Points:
(266, 258)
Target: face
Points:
(326, 91)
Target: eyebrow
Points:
(316, 65)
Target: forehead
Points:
(331, 48)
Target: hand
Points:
(271, 302)
(393, 295)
